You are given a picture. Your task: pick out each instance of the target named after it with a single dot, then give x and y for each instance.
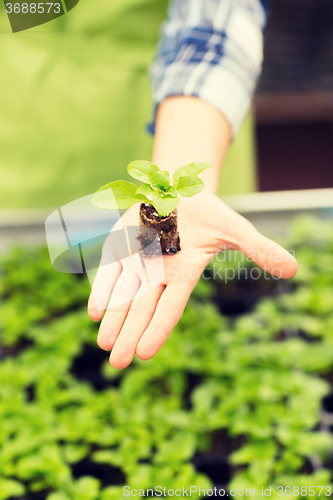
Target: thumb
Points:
(268, 254)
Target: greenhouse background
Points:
(241, 396)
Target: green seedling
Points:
(156, 188)
(257, 391)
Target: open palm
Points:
(143, 322)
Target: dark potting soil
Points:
(88, 367)
(166, 227)
(240, 296)
(39, 495)
(193, 381)
(328, 403)
(106, 474)
(8, 352)
(30, 392)
(215, 466)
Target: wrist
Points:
(190, 130)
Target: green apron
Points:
(75, 101)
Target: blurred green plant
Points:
(255, 378)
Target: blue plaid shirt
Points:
(211, 49)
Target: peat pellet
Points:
(166, 227)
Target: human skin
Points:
(187, 130)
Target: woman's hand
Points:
(141, 320)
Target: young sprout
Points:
(155, 190)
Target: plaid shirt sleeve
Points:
(211, 49)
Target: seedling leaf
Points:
(10, 488)
(124, 196)
(142, 170)
(144, 189)
(172, 191)
(161, 180)
(164, 205)
(190, 169)
(188, 185)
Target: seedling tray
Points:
(294, 313)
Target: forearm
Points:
(190, 130)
